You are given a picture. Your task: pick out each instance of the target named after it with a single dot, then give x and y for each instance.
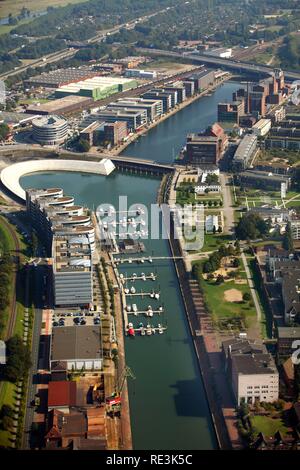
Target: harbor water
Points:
(168, 405)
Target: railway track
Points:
(13, 312)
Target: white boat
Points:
(134, 307)
(150, 260)
(152, 295)
(128, 308)
(150, 313)
(153, 330)
(149, 330)
(130, 325)
(126, 290)
(134, 275)
(160, 329)
(132, 290)
(121, 276)
(143, 332)
(160, 309)
(157, 296)
(142, 260)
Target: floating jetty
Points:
(152, 295)
(142, 277)
(147, 313)
(142, 260)
(146, 330)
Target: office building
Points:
(202, 80)
(113, 133)
(88, 132)
(72, 271)
(189, 88)
(165, 98)
(151, 107)
(50, 130)
(206, 148)
(230, 112)
(179, 87)
(252, 371)
(134, 118)
(245, 152)
(263, 180)
(262, 127)
(286, 338)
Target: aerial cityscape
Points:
(150, 226)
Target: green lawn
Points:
(212, 242)
(267, 425)
(214, 296)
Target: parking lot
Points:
(62, 317)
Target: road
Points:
(36, 275)
(228, 210)
(69, 52)
(229, 64)
(251, 286)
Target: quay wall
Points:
(11, 175)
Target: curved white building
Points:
(50, 130)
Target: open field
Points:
(14, 6)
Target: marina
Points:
(166, 367)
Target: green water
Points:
(168, 405)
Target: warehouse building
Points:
(76, 348)
(61, 77)
(202, 80)
(50, 130)
(142, 74)
(97, 88)
(66, 105)
(245, 152)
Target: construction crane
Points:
(113, 403)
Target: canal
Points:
(168, 405)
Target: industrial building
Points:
(61, 77)
(50, 130)
(221, 52)
(76, 348)
(245, 152)
(66, 105)
(72, 271)
(142, 74)
(97, 88)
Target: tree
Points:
(83, 145)
(236, 263)
(246, 297)
(212, 179)
(4, 131)
(220, 229)
(287, 242)
(220, 279)
(18, 359)
(251, 226)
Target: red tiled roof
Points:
(62, 393)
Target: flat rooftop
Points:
(76, 342)
(289, 332)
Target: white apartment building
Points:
(254, 378)
(262, 127)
